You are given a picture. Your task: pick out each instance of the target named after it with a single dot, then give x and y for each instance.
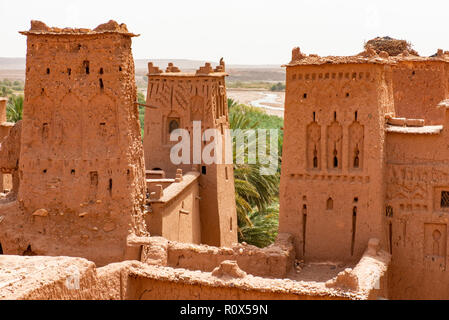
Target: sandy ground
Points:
(271, 102)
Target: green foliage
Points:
(278, 87)
(141, 99)
(256, 194)
(263, 229)
(14, 108)
(249, 85)
(8, 87)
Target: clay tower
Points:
(175, 100)
(81, 160)
(332, 184)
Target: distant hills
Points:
(14, 68)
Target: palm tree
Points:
(254, 192)
(232, 103)
(264, 228)
(14, 109)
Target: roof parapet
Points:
(40, 28)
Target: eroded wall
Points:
(81, 162)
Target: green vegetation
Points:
(264, 85)
(141, 99)
(8, 87)
(278, 87)
(13, 90)
(14, 108)
(256, 194)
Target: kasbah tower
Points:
(81, 156)
(332, 184)
(183, 100)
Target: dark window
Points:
(330, 204)
(389, 211)
(203, 169)
(173, 125)
(101, 84)
(48, 70)
(1, 249)
(444, 199)
(86, 66)
(94, 178)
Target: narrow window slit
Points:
(354, 225)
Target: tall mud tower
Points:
(332, 184)
(180, 100)
(81, 160)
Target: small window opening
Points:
(335, 115)
(356, 199)
(389, 211)
(110, 186)
(226, 173)
(86, 66)
(101, 71)
(173, 125)
(314, 116)
(203, 169)
(72, 171)
(304, 95)
(330, 204)
(48, 70)
(356, 157)
(28, 251)
(1, 249)
(444, 199)
(120, 68)
(335, 158)
(315, 158)
(101, 84)
(230, 224)
(44, 171)
(355, 115)
(347, 94)
(413, 73)
(94, 178)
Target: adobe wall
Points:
(418, 173)
(57, 278)
(81, 168)
(174, 100)
(418, 87)
(367, 280)
(175, 214)
(274, 261)
(332, 181)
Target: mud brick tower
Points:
(334, 158)
(175, 100)
(81, 160)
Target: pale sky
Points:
(241, 31)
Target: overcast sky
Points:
(241, 31)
